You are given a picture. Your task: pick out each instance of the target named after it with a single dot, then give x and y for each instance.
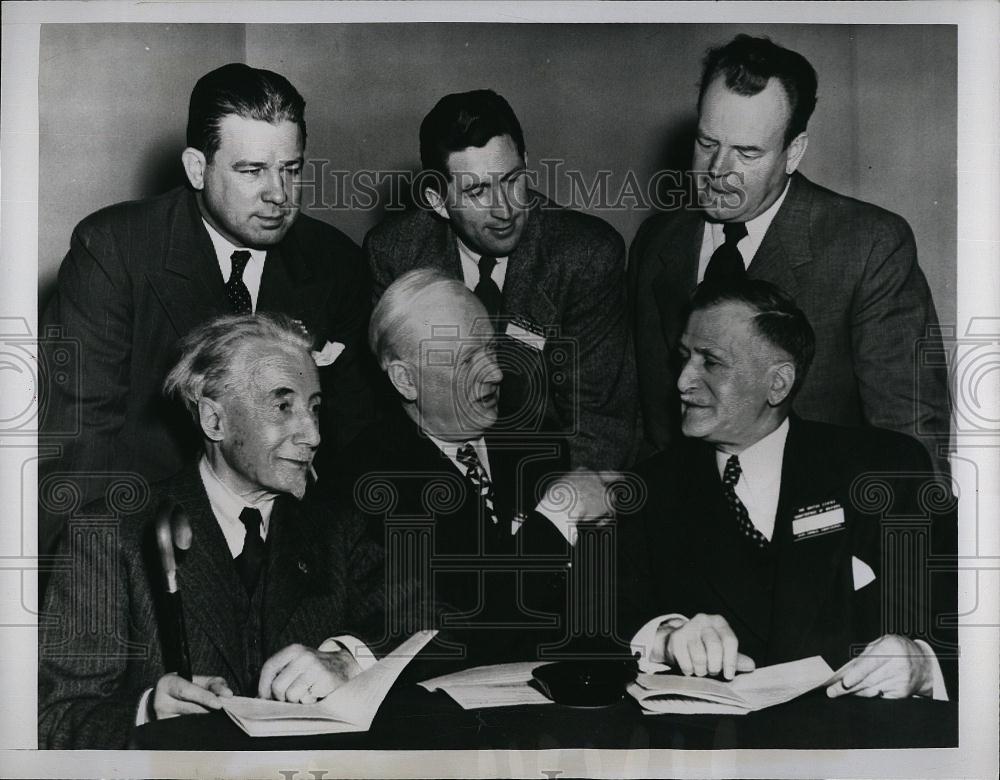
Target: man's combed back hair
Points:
(208, 353)
(250, 93)
(749, 63)
(389, 330)
(461, 120)
(778, 320)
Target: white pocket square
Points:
(330, 352)
(863, 574)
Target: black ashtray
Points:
(586, 683)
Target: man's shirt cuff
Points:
(940, 692)
(142, 713)
(644, 641)
(561, 520)
(359, 650)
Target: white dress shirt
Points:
(470, 267)
(558, 516)
(760, 481)
(714, 237)
(224, 255)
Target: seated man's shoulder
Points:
(401, 228)
(866, 448)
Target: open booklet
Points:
(499, 685)
(351, 707)
(764, 687)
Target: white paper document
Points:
(765, 687)
(351, 707)
(499, 685)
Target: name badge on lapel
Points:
(815, 519)
(525, 331)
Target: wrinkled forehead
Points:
(260, 366)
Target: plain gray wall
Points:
(113, 102)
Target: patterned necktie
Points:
(726, 263)
(236, 290)
(729, 479)
(487, 290)
(476, 474)
(250, 561)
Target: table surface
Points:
(413, 719)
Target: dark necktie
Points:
(729, 479)
(487, 290)
(476, 473)
(236, 290)
(250, 561)
(726, 263)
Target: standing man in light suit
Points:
(553, 278)
(139, 276)
(278, 596)
(772, 538)
(851, 266)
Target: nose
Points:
(688, 377)
(501, 208)
(275, 187)
(306, 432)
(492, 372)
(719, 162)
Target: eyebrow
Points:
(300, 160)
(487, 180)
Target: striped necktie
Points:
(476, 473)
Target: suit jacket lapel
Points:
(214, 596)
(292, 564)
(786, 244)
(711, 526)
(190, 285)
(807, 568)
(678, 275)
(524, 287)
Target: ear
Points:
(401, 375)
(211, 418)
(435, 201)
(194, 166)
(796, 149)
(782, 381)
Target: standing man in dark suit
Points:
(850, 265)
(553, 278)
(771, 538)
(141, 275)
(266, 583)
(498, 520)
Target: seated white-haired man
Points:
(274, 595)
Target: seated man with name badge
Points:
(277, 597)
(767, 538)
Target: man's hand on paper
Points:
(303, 675)
(173, 695)
(704, 645)
(892, 666)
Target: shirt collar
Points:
(471, 256)
(226, 503)
(757, 227)
(224, 248)
(760, 463)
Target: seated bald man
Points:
(501, 516)
(274, 595)
(768, 538)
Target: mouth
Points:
(503, 231)
(270, 223)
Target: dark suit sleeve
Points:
(92, 311)
(891, 315)
(378, 257)
(84, 697)
(596, 320)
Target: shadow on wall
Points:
(160, 171)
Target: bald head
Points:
(434, 340)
